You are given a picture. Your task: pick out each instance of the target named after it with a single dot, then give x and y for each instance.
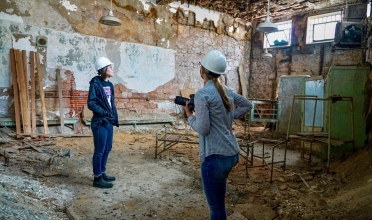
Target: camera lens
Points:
(179, 100)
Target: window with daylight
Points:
(321, 28)
(281, 38)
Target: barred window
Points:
(321, 28)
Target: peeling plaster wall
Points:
(77, 53)
(155, 52)
(136, 64)
(28, 12)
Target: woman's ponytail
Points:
(220, 88)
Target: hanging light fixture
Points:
(110, 19)
(267, 26)
(266, 54)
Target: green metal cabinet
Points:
(348, 81)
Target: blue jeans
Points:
(102, 138)
(214, 171)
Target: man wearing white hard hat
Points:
(216, 106)
(101, 102)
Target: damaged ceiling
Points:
(250, 10)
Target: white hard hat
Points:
(102, 62)
(214, 61)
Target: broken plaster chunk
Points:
(283, 187)
(281, 179)
(237, 216)
(54, 173)
(28, 170)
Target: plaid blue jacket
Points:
(214, 123)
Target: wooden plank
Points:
(60, 98)
(20, 78)
(41, 91)
(33, 147)
(243, 81)
(26, 111)
(25, 75)
(33, 91)
(52, 135)
(15, 92)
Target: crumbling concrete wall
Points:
(173, 39)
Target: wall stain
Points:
(5, 61)
(47, 31)
(130, 8)
(83, 66)
(14, 28)
(73, 55)
(28, 28)
(75, 41)
(8, 5)
(62, 40)
(3, 47)
(153, 13)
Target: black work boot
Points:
(108, 178)
(101, 183)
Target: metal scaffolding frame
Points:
(166, 140)
(321, 137)
(247, 147)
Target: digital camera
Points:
(179, 100)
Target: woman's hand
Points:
(187, 110)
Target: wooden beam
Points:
(20, 81)
(243, 81)
(25, 75)
(60, 98)
(26, 111)
(33, 147)
(53, 135)
(33, 101)
(41, 91)
(15, 91)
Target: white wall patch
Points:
(5, 97)
(23, 44)
(68, 5)
(159, 20)
(200, 13)
(8, 17)
(143, 68)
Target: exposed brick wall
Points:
(73, 100)
(193, 43)
(298, 59)
(261, 80)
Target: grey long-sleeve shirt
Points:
(213, 122)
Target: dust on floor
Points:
(56, 183)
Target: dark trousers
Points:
(102, 137)
(214, 171)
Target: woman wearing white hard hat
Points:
(214, 114)
(102, 103)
